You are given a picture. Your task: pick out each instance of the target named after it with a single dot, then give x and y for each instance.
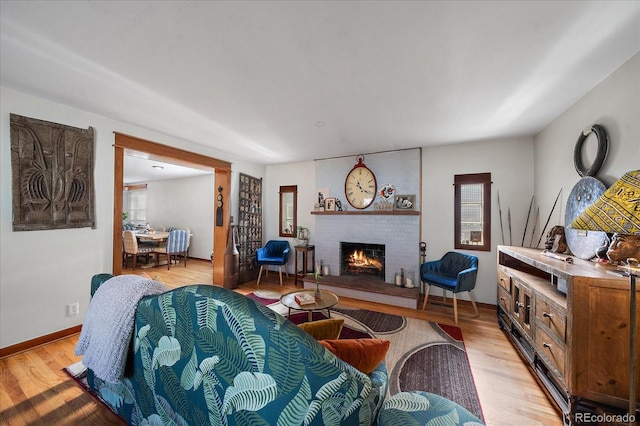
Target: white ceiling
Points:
(138, 169)
(252, 78)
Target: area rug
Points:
(422, 356)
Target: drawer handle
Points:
(520, 305)
(546, 315)
(546, 345)
(503, 299)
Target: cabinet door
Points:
(521, 308)
(600, 332)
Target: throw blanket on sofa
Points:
(108, 326)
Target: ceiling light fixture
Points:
(319, 123)
(158, 167)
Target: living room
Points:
(41, 272)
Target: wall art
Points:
(52, 168)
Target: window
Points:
(472, 211)
(135, 203)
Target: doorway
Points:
(222, 179)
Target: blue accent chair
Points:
(177, 245)
(275, 252)
(455, 272)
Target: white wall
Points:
(301, 174)
(615, 104)
(41, 272)
(186, 202)
(510, 162)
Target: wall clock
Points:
(360, 186)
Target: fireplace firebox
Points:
(362, 259)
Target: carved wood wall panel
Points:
(52, 175)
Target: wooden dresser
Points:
(570, 322)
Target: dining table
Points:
(156, 237)
(151, 236)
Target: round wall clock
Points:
(360, 186)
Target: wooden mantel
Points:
(371, 212)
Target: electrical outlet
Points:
(73, 309)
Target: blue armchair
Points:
(275, 252)
(455, 272)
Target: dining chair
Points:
(275, 252)
(188, 237)
(133, 249)
(176, 246)
(454, 272)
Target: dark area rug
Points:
(423, 355)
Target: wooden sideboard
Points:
(570, 323)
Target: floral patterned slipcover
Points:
(204, 355)
(420, 408)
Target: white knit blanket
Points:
(108, 326)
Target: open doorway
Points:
(161, 195)
(125, 144)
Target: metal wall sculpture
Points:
(52, 175)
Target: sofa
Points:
(205, 355)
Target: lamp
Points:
(617, 211)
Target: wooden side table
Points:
(305, 251)
(328, 301)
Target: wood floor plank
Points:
(35, 391)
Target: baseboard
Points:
(438, 300)
(30, 344)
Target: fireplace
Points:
(362, 259)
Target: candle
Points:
(325, 270)
(408, 283)
(398, 279)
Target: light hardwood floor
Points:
(35, 391)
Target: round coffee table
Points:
(328, 301)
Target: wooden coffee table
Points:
(328, 301)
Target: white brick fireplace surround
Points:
(399, 234)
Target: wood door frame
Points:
(222, 178)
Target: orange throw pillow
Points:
(363, 354)
(326, 329)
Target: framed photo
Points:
(404, 202)
(330, 205)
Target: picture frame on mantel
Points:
(330, 205)
(404, 202)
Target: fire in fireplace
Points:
(362, 259)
